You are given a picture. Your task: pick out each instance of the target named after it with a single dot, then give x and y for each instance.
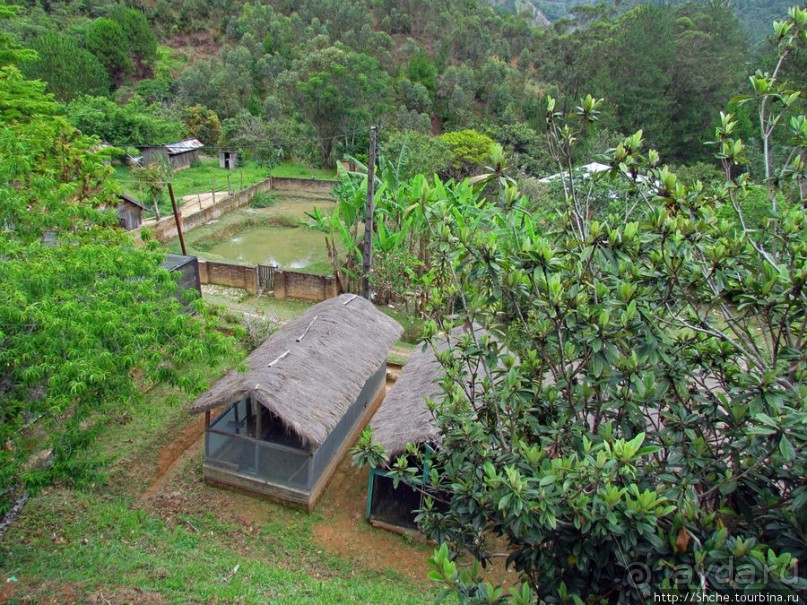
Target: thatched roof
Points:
(313, 368)
(404, 417)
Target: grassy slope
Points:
(181, 543)
(202, 179)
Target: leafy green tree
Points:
(528, 150)
(469, 150)
(107, 41)
(626, 411)
(422, 70)
(339, 92)
(196, 85)
(414, 95)
(135, 123)
(417, 153)
(255, 137)
(153, 181)
(655, 65)
(454, 93)
(233, 83)
(11, 52)
(142, 43)
(69, 70)
(203, 124)
(87, 319)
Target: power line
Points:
(300, 141)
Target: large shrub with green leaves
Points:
(87, 319)
(628, 413)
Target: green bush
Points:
(262, 199)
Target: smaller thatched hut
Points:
(403, 418)
(308, 392)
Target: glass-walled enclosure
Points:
(250, 440)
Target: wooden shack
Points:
(130, 212)
(179, 155)
(307, 393)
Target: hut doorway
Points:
(390, 506)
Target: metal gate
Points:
(266, 277)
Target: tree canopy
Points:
(87, 319)
(625, 412)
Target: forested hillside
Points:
(306, 79)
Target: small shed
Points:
(130, 212)
(403, 418)
(228, 160)
(179, 155)
(188, 269)
(308, 391)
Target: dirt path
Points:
(171, 456)
(344, 530)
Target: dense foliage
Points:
(626, 413)
(310, 77)
(87, 320)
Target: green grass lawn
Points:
(188, 542)
(207, 176)
(300, 171)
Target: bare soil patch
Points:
(172, 453)
(343, 529)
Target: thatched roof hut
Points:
(404, 417)
(307, 392)
(311, 369)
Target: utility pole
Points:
(177, 219)
(368, 217)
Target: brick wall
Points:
(288, 284)
(291, 284)
(229, 274)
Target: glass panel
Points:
(239, 453)
(284, 467)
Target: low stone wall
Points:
(165, 229)
(287, 284)
(291, 284)
(318, 186)
(229, 274)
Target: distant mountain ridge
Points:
(755, 16)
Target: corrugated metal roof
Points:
(184, 146)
